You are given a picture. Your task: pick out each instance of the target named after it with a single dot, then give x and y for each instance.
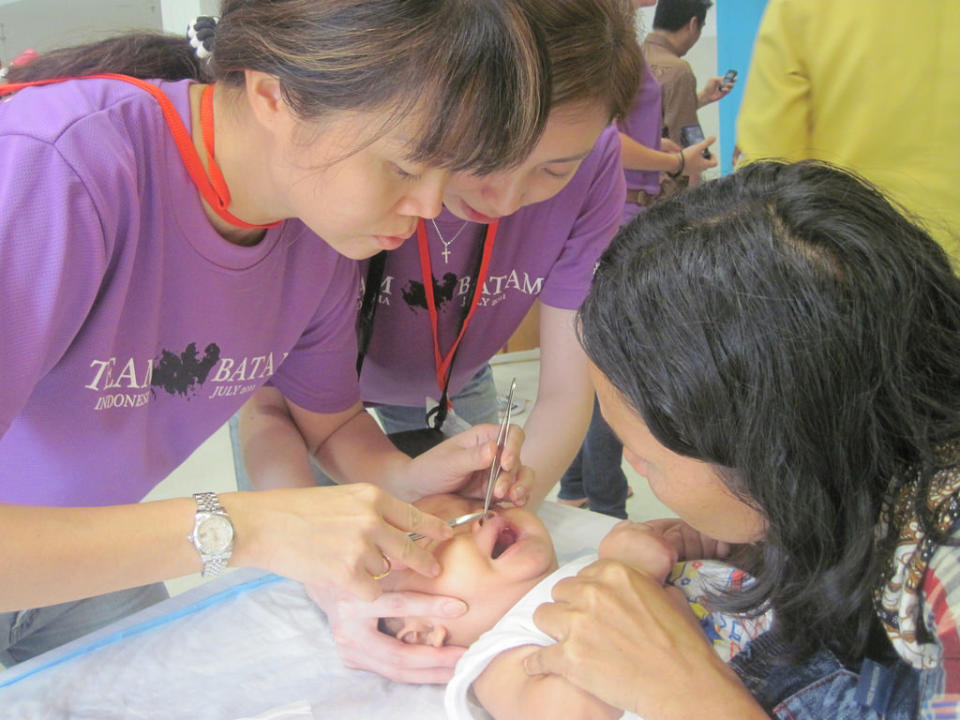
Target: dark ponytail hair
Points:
(789, 326)
(144, 55)
(476, 71)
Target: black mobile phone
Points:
(691, 135)
(729, 78)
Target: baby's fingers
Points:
(549, 660)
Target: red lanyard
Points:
(443, 362)
(214, 188)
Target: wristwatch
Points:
(212, 534)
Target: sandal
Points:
(576, 502)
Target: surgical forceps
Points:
(494, 469)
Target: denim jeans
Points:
(596, 472)
(476, 403)
(26, 633)
(821, 687)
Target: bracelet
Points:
(679, 170)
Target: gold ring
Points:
(380, 576)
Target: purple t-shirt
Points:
(644, 124)
(546, 250)
(129, 329)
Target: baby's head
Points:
(489, 566)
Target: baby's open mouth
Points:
(507, 536)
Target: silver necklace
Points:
(448, 243)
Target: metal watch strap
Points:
(214, 567)
(208, 502)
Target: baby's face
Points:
(488, 566)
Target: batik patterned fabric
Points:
(919, 591)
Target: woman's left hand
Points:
(461, 464)
(635, 644)
(362, 646)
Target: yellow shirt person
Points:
(873, 85)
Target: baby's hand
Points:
(690, 544)
(641, 546)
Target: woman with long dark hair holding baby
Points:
(778, 351)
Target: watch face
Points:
(214, 534)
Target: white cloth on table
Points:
(294, 711)
(235, 647)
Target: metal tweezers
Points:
(494, 469)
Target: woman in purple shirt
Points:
(166, 247)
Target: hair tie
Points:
(200, 34)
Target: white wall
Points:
(47, 24)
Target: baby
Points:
(490, 565)
(504, 569)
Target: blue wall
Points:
(737, 23)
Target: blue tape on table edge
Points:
(148, 625)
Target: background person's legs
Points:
(26, 633)
(476, 403)
(571, 484)
(596, 473)
(399, 418)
